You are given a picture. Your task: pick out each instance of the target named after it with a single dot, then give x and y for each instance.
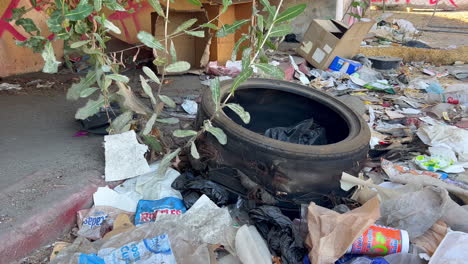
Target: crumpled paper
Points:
(124, 156)
(331, 233)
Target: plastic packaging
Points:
(448, 97)
(98, 221)
(434, 88)
(148, 211)
(156, 250)
(306, 132)
(251, 247)
(380, 240)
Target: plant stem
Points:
(256, 53)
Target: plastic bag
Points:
(192, 187)
(156, 250)
(99, 221)
(251, 247)
(148, 211)
(305, 133)
(276, 229)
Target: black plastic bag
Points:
(192, 187)
(99, 122)
(305, 133)
(276, 229)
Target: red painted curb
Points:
(45, 227)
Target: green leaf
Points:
(106, 68)
(75, 90)
(230, 29)
(17, 13)
(157, 7)
(184, 26)
(246, 58)
(97, 5)
(270, 45)
(147, 89)
(152, 142)
(54, 23)
(198, 34)
(166, 162)
(91, 108)
(82, 10)
(88, 91)
(240, 111)
(179, 66)
(113, 5)
(170, 121)
(167, 100)
(194, 151)
(78, 44)
(119, 123)
(173, 52)
(235, 50)
(280, 30)
(118, 77)
(226, 4)
(27, 24)
(149, 124)
(36, 43)
(151, 74)
(290, 13)
(50, 63)
(108, 25)
(271, 70)
(160, 61)
(80, 26)
(260, 22)
(149, 40)
(209, 25)
(195, 2)
(242, 77)
(184, 133)
(268, 7)
(215, 87)
(218, 133)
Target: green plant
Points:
(84, 27)
(363, 4)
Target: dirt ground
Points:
(422, 20)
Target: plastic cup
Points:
(380, 241)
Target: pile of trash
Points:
(408, 201)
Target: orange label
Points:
(378, 240)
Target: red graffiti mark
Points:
(430, 2)
(121, 15)
(7, 27)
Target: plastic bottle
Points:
(251, 247)
(450, 97)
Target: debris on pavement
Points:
(9, 86)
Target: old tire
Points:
(281, 167)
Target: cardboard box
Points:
(327, 39)
(345, 65)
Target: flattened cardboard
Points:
(326, 39)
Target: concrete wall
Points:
(14, 59)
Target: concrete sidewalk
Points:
(46, 174)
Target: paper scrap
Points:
(124, 156)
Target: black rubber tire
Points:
(306, 168)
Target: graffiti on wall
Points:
(418, 2)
